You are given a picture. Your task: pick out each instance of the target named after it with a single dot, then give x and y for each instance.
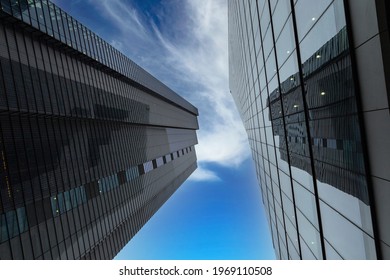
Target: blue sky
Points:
(217, 213)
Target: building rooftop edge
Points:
(51, 20)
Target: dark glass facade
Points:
(293, 78)
(91, 144)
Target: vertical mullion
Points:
(284, 122)
(305, 109)
(272, 123)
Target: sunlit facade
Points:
(310, 81)
(91, 144)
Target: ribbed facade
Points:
(293, 76)
(91, 144)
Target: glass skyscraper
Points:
(310, 81)
(91, 145)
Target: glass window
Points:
(306, 202)
(292, 233)
(16, 12)
(283, 249)
(288, 73)
(41, 19)
(264, 17)
(280, 15)
(13, 229)
(53, 19)
(148, 166)
(310, 235)
(132, 173)
(22, 219)
(71, 31)
(77, 197)
(270, 65)
(346, 238)
(285, 184)
(102, 185)
(60, 24)
(84, 38)
(61, 203)
(307, 254)
(6, 7)
(47, 18)
(66, 28)
(115, 181)
(83, 194)
(81, 45)
(77, 35)
(278, 207)
(331, 253)
(33, 15)
(3, 228)
(268, 43)
(301, 175)
(73, 200)
(293, 252)
(159, 161)
(348, 205)
(308, 13)
(285, 44)
(25, 7)
(68, 203)
(327, 27)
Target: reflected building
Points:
(91, 144)
(310, 81)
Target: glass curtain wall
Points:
(88, 153)
(291, 77)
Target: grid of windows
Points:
(65, 201)
(63, 28)
(291, 78)
(91, 145)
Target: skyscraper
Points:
(310, 79)
(91, 144)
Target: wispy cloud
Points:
(187, 49)
(126, 17)
(203, 174)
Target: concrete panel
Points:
(371, 75)
(381, 195)
(364, 20)
(377, 124)
(385, 251)
(381, 10)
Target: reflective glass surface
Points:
(87, 139)
(304, 131)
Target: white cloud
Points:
(204, 58)
(187, 49)
(126, 17)
(202, 174)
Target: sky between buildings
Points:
(217, 213)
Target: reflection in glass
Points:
(308, 109)
(359, 246)
(334, 128)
